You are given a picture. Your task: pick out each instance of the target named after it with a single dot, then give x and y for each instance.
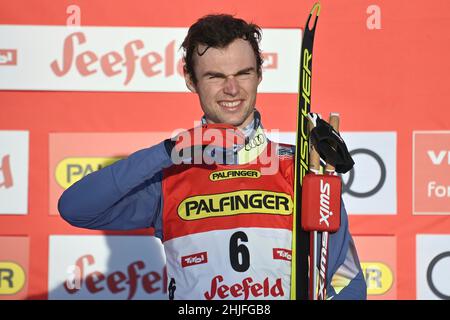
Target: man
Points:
(225, 221)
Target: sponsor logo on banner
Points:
(378, 258)
(371, 186)
(70, 170)
(114, 63)
(8, 57)
(13, 172)
(106, 267)
(379, 277)
(13, 267)
(126, 59)
(235, 203)
(75, 155)
(433, 267)
(431, 172)
(5, 169)
(12, 278)
(270, 60)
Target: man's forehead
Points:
(238, 53)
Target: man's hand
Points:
(208, 144)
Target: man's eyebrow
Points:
(246, 70)
(222, 75)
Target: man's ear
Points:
(189, 82)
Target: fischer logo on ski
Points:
(300, 238)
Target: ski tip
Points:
(334, 114)
(316, 6)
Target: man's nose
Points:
(231, 86)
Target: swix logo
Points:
(270, 60)
(113, 63)
(437, 158)
(325, 212)
(8, 57)
(282, 254)
(6, 179)
(115, 282)
(246, 289)
(197, 258)
(323, 267)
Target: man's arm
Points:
(345, 277)
(125, 195)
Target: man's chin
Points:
(234, 122)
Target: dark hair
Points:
(218, 31)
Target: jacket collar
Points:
(255, 143)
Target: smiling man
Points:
(226, 224)
(226, 81)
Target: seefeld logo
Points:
(248, 288)
(234, 203)
(70, 170)
(114, 63)
(116, 282)
(12, 278)
(379, 277)
(233, 174)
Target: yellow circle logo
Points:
(70, 170)
(12, 278)
(379, 277)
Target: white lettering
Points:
(374, 20)
(325, 212)
(437, 159)
(438, 191)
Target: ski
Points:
(300, 238)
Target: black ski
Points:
(300, 238)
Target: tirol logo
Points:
(6, 180)
(12, 278)
(282, 254)
(8, 57)
(70, 170)
(431, 172)
(113, 63)
(270, 60)
(116, 282)
(234, 203)
(247, 288)
(233, 174)
(194, 259)
(379, 277)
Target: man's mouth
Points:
(231, 105)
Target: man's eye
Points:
(244, 75)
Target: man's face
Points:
(227, 81)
